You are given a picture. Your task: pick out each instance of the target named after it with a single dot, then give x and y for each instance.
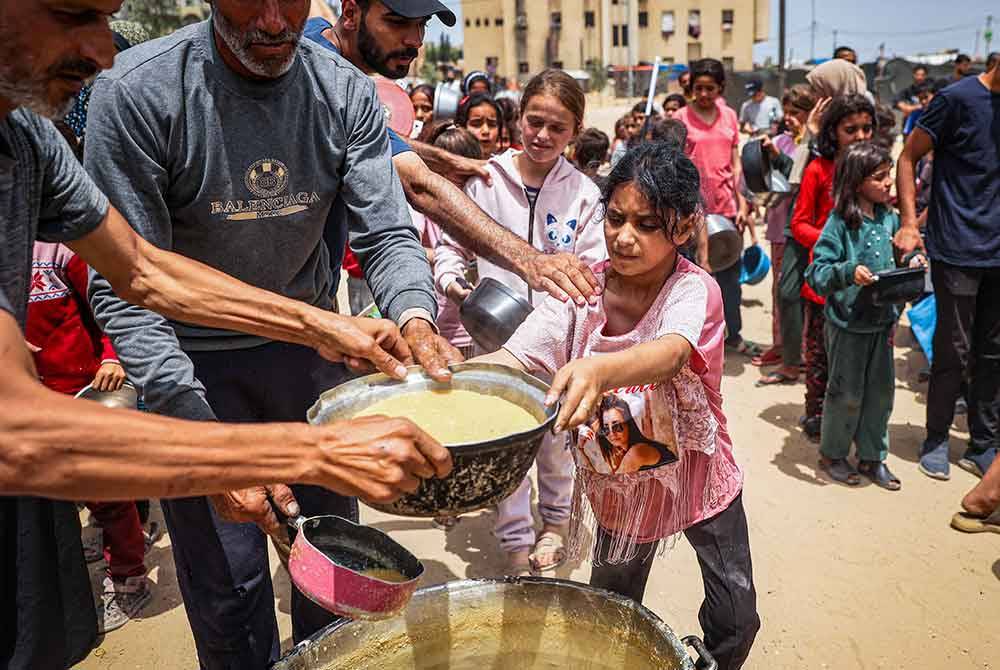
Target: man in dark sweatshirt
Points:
(235, 143)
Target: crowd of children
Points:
(641, 450)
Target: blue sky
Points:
(906, 26)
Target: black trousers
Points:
(222, 567)
(728, 615)
(732, 297)
(966, 344)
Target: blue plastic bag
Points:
(923, 320)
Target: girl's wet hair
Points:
(840, 108)
(859, 162)
(666, 177)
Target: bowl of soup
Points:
(491, 418)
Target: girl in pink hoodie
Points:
(539, 195)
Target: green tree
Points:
(598, 75)
(161, 17)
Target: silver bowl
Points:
(483, 473)
(124, 398)
(725, 244)
(492, 313)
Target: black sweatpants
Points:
(222, 567)
(732, 298)
(728, 615)
(966, 342)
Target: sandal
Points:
(840, 470)
(776, 377)
(879, 473)
(549, 543)
(747, 348)
(770, 357)
(968, 523)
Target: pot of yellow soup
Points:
(490, 417)
(510, 624)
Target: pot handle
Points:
(705, 660)
(294, 523)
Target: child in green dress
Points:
(855, 245)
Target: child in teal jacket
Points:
(856, 244)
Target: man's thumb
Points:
(284, 500)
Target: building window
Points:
(667, 23)
(614, 2)
(624, 35)
(498, 21)
(729, 63)
(727, 19)
(556, 20)
(478, 23)
(588, 20)
(468, 23)
(486, 22)
(615, 42)
(557, 64)
(694, 23)
(522, 67)
(643, 19)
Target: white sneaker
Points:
(121, 602)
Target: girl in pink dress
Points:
(639, 377)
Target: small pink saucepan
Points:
(351, 570)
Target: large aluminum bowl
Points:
(484, 473)
(125, 397)
(511, 624)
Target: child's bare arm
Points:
(582, 381)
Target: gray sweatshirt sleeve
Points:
(122, 155)
(381, 232)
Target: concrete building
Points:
(520, 37)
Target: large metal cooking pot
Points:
(725, 244)
(492, 312)
(483, 473)
(516, 623)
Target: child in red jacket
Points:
(70, 352)
(847, 120)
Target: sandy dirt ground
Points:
(846, 578)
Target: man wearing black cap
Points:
(383, 36)
(760, 111)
